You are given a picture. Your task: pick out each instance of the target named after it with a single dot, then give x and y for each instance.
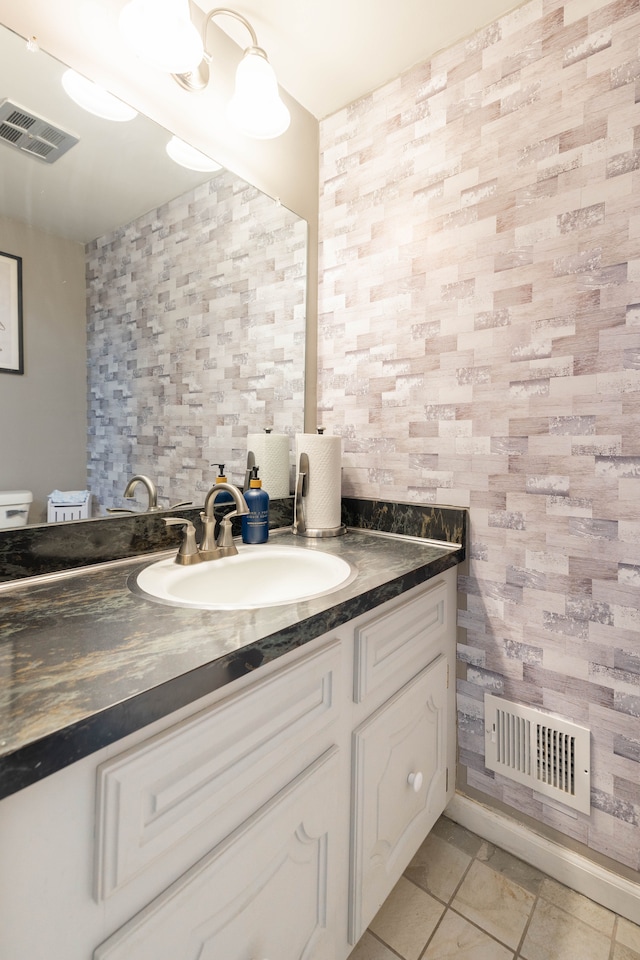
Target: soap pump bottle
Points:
(223, 496)
(255, 524)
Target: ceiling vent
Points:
(31, 134)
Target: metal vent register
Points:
(29, 133)
(541, 751)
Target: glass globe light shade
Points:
(187, 156)
(161, 33)
(95, 99)
(256, 108)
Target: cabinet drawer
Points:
(232, 904)
(393, 810)
(392, 647)
(166, 800)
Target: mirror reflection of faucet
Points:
(152, 494)
(147, 482)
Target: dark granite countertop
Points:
(84, 662)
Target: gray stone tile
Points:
(514, 869)
(370, 948)
(407, 919)
(628, 934)
(494, 903)
(554, 934)
(457, 836)
(457, 939)
(620, 952)
(578, 906)
(438, 867)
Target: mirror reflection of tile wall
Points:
(196, 330)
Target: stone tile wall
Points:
(480, 346)
(196, 336)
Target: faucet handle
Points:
(209, 548)
(225, 538)
(188, 552)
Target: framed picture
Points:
(11, 348)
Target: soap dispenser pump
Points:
(223, 496)
(255, 524)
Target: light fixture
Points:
(159, 26)
(161, 33)
(256, 108)
(187, 156)
(95, 99)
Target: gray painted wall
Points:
(43, 412)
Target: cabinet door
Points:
(168, 800)
(399, 788)
(262, 893)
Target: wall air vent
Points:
(547, 753)
(29, 133)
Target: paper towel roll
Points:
(271, 451)
(322, 503)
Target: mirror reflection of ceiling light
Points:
(187, 156)
(256, 108)
(161, 33)
(95, 99)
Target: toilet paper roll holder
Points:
(299, 521)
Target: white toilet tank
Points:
(14, 508)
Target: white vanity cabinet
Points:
(403, 750)
(244, 794)
(264, 892)
(269, 820)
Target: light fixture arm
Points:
(229, 13)
(198, 78)
(256, 108)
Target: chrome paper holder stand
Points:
(300, 528)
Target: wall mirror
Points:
(164, 308)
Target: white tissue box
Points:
(79, 509)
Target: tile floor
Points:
(462, 898)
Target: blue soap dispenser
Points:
(255, 524)
(223, 497)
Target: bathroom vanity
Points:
(237, 784)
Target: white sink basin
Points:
(259, 576)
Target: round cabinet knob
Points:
(415, 780)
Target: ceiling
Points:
(61, 198)
(328, 53)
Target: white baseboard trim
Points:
(566, 866)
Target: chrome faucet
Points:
(210, 549)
